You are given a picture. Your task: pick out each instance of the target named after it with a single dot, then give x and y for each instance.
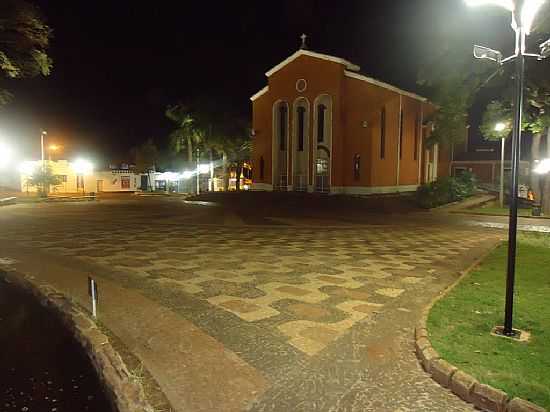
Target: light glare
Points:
(507, 4)
(542, 167)
(27, 167)
(6, 155)
(500, 127)
(528, 12)
(82, 166)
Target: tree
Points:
(187, 134)
(238, 151)
(146, 157)
(451, 79)
(24, 40)
(42, 179)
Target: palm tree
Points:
(186, 134)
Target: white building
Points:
(76, 180)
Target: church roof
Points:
(302, 52)
(351, 70)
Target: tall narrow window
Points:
(416, 135)
(321, 111)
(383, 134)
(301, 128)
(357, 166)
(262, 166)
(401, 134)
(282, 127)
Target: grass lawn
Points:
(459, 325)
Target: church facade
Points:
(321, 126)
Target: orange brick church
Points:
(322, 126)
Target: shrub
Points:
(446, 190)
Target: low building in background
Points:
(74, 181)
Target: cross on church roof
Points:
(304, 45)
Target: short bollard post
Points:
(92, 292)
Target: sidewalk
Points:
(195, 371)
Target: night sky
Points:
(117, 65)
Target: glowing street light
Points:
(82, 167)
(500, 127)
(523, 16)
(6, 155)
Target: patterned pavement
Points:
(293, 302)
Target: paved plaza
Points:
(311, 318)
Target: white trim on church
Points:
(349, 65)
(260, 93)
(384, 85)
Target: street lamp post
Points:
(198, 173)
(523, 15)
(44, 133)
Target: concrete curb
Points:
(8, 201)
(469, 202)
(463, 385)
(124, 393)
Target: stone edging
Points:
(465, 386)
(124, 393)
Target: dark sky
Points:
(117, 64)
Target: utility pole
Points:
(198, 173)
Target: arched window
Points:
(401, 127)
(262, 166)
(357, 166)
(301, 127)
(383, 133)
(416, 136)
(282, 127)
(321, 111)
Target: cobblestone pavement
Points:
(324, 314)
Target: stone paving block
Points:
(442, 372)
(462, 385)
(520, 405)
(487, 398)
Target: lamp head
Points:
(481, 52)
(545, 49)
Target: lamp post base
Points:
(517, 335)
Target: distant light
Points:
(27, 167)
(542, 167)
(82, 166)
(528, 12)
(500, 127)
(54, 147)
(204, 168)
(187, 174)
(6, 155)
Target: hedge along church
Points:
(321, 126)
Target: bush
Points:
(446, 190)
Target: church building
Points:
(321, 126)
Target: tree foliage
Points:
(495, 113)
(24, 41)
(452, 79)
(43, 179)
